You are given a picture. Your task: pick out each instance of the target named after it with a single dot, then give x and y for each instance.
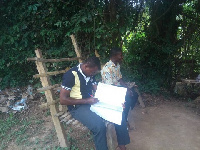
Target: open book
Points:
(110, 102)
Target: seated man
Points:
(77, 86)
(111, 75)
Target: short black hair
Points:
(93, 61)
(114, 51)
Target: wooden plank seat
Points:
(66, 118)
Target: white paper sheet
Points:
(110, 102)
(108, 114)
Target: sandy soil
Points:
(167, 126)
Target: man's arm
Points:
(65, 99)
(125, 85)
(122, 83)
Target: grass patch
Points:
(35, 131)
(26, 133)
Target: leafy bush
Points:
(160, 47)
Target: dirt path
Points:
(169, 126)
(162, 125)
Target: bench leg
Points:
(110, 136)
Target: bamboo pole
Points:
(48, 88)
(139, 98)
(77, 49)
(132, 84)
(47, 104)
(50, 73)
(53, 60)
(41, 67)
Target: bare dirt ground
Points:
(166, 126)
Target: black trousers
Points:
(130, 102)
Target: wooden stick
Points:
(77, 49)
(50, 73)
(53, 60)
(190, 81)
(139, 98)
(110, 136)
(41, 67)
(132, 84)
(48, 88)
(47, 104)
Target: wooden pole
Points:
(111, 136)
(139, 98)
(53, 60)
(48, 87)
(41, 67)
(46, 105)
(132, 84)
(50, 73)
(77, 49)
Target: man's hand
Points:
(92, 100)
(65, 99)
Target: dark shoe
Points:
(120, 147)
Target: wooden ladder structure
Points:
(48, 87)
(50, 96)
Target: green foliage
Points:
(25, 28)
(154, 57)
(189, 34)
(158, 37)
(148, 71)
(44, 24)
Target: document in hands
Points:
(110, 102)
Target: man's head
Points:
(91, 66)
(116, 55)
